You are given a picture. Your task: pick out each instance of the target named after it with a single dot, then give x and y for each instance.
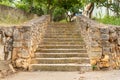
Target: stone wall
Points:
(7, 12)
(102, 42)
(22, 41)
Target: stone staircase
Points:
(62, 49)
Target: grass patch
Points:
(9, 21)
(110, 20)
(63, 21)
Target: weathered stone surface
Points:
(17, 44)
(9, 32)
(27, 36)
(98, 36)
(105, 43)
(1, 52)
(117, 28)
(94, 44)
(104, 30)
(22, 41)
(25, 29)
(113, 37)
(106, 50)
(118, 41)
(96, 49)
(17, 35)
(104, 36)
(27, 44)
(25, 53)
(25, 39)
(118, 33)
(22, 63)
(112, 29)
(95, 54)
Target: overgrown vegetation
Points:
(9, 21)
(110, 20)
(58, 8)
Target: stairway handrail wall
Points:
(25, 39)
(101, 41)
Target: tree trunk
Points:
(91, 10)
(88, 10)
(107, 10)
(48, 7)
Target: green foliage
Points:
(22, 6)
(58, 14)
(94, 67)
(58, 8)
(63, 21)
(6, 2)
(110, 20)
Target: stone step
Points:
(60, 55)
(62, 50)
(62, 46)
(69, 34)
(78, 60)
(61, 30)
(60, 67)
(62, 39)
(62, 36)
(62, 43)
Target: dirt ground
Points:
(101, 75)
(95, 75)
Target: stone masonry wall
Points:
(12, 13)
(102, 42)
(22, 41)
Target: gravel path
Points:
(95, 75)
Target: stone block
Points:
(118, 28)
(112, 29)
(94, 29)
(17, 35)
(113, 37)
(17, 44)
(27, 36)
(106, 50)
(95, 54)
(27, 44)
(104, 64)
(9, 31)
(118, 33)
(105, 43)
(95, 35)
(105, 37)
(1, 52)
(118, 40)
(0, 37)
(96, 49)
(94, 44)
(25, 53)
(25, 29)
(104, 30)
